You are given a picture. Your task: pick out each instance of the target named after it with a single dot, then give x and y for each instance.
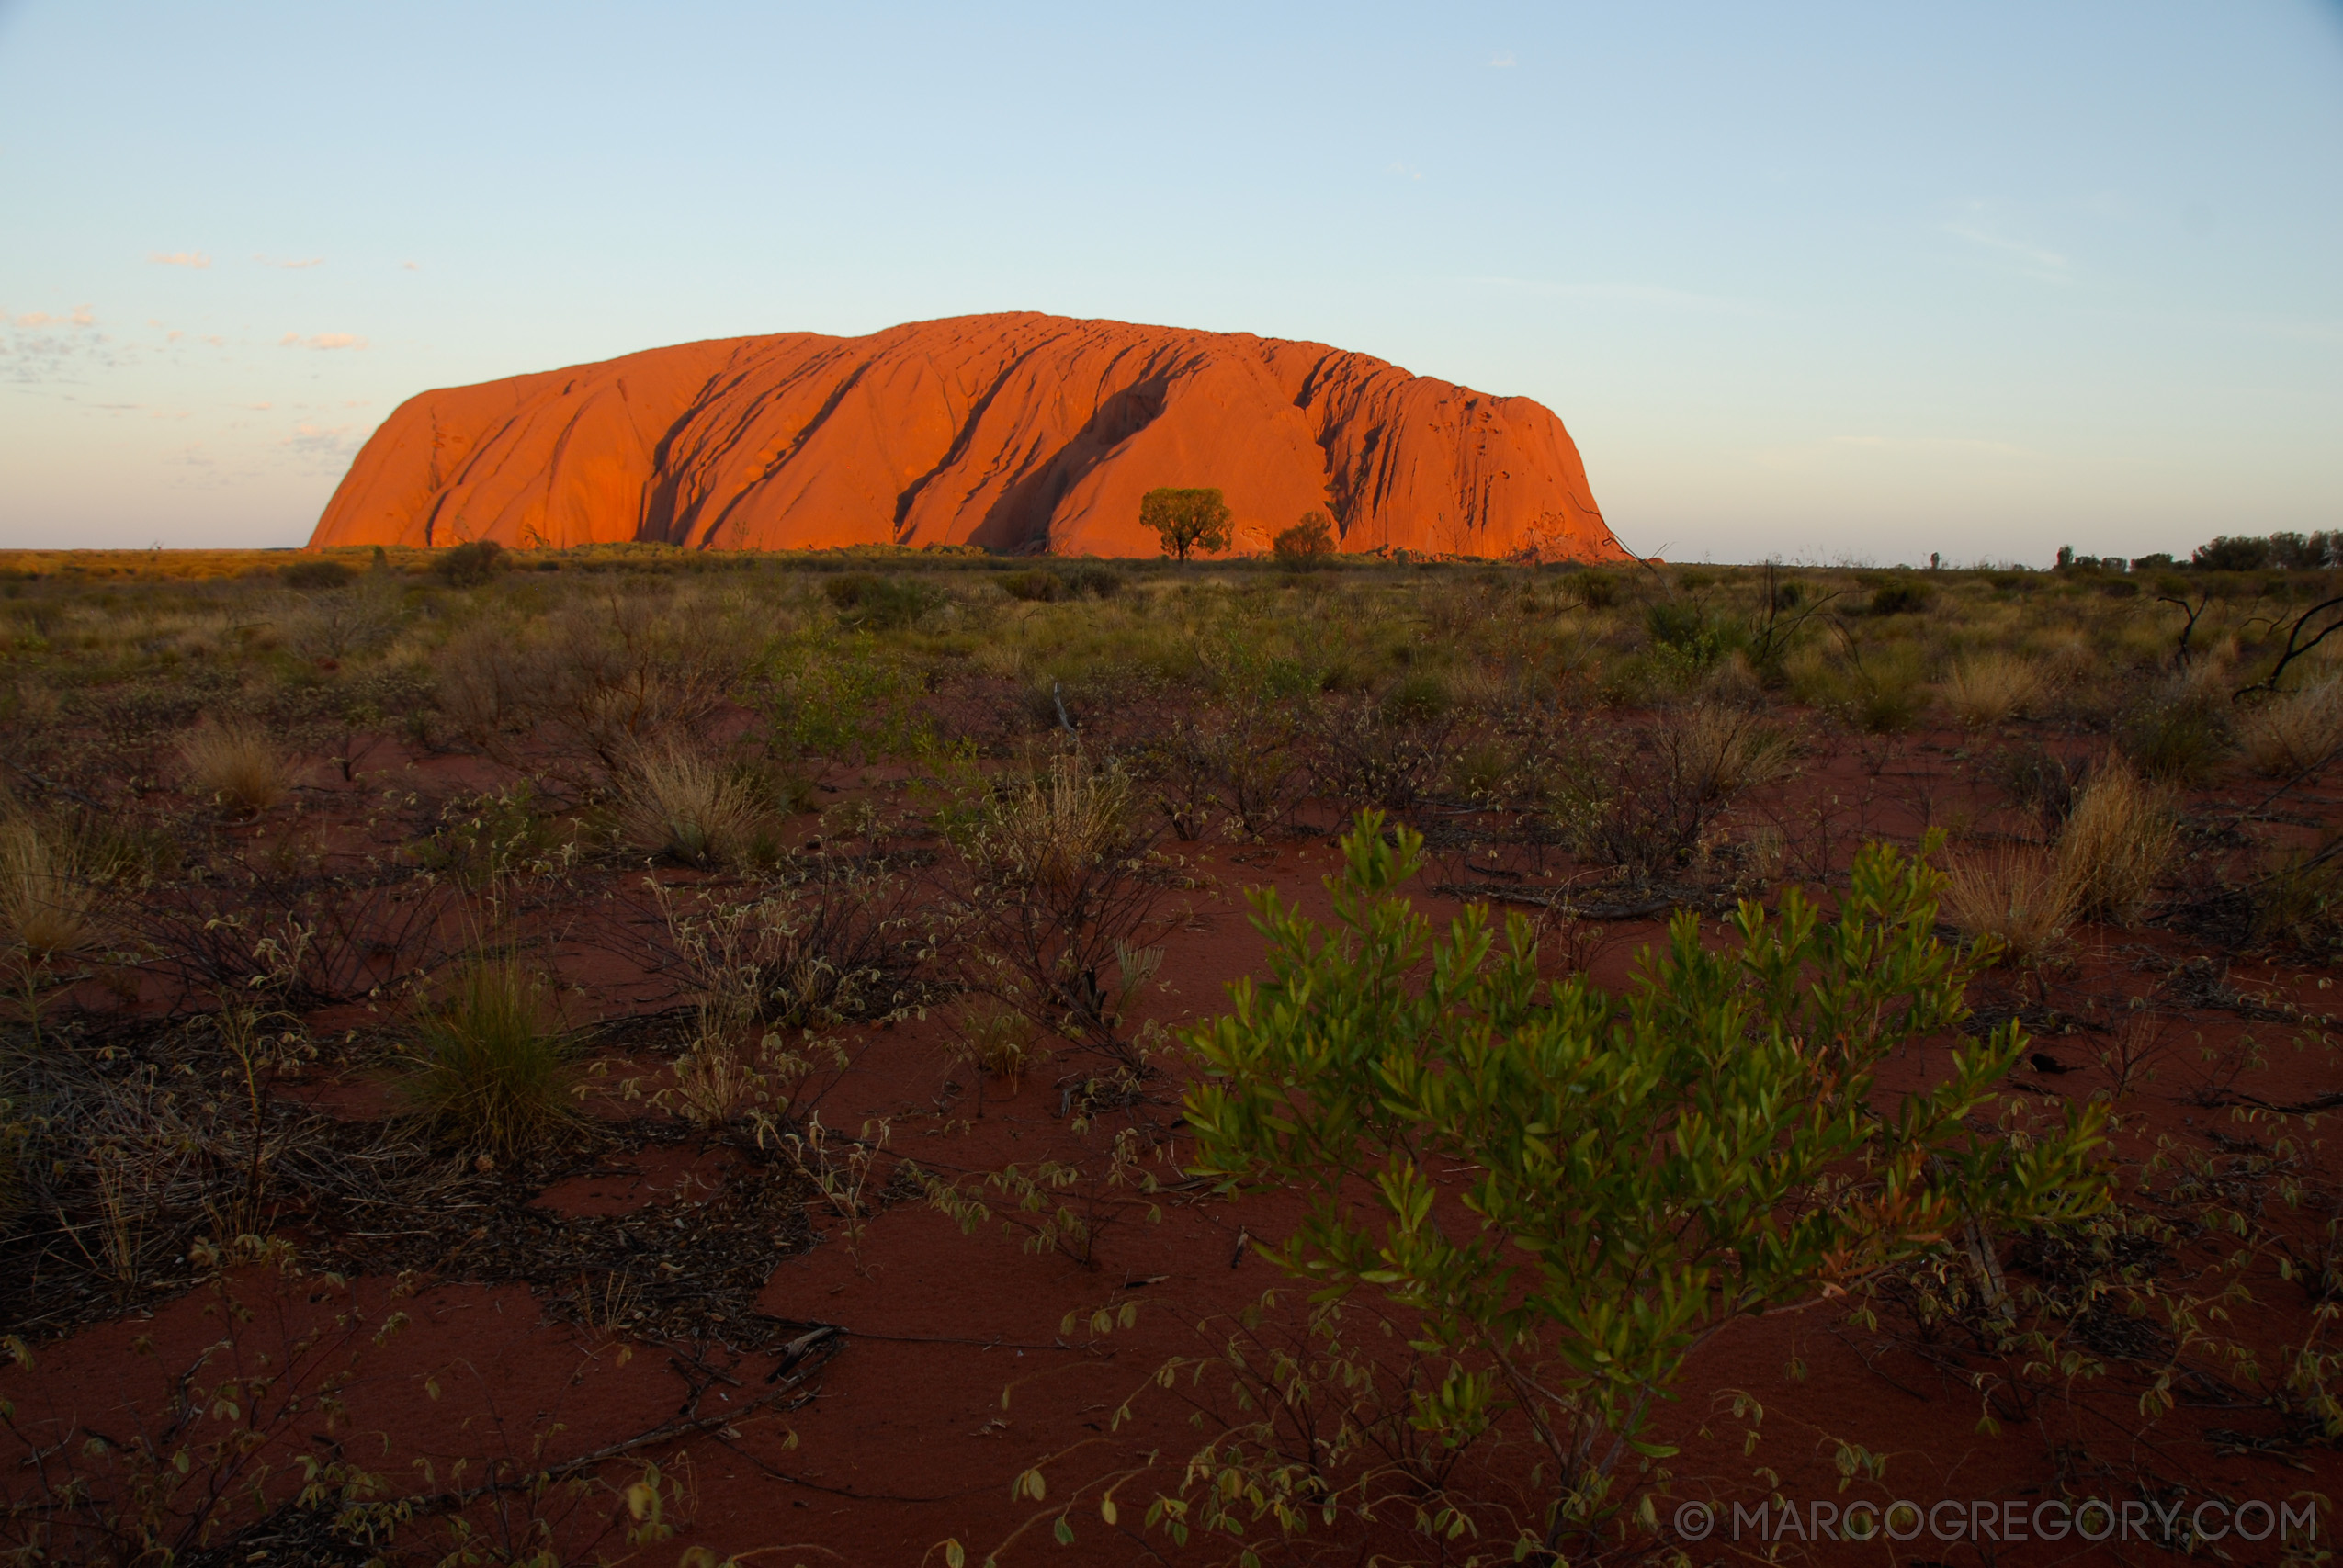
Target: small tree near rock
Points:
(468, 566)
(1186, 519)
(1305, 540)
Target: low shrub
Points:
(879, 602)
(1645, 799)
(1390, 751)
(1240, 771)
(2178, 737)
(1034, 587)
(1899, 598)
(1062, 881)
(468, 566)
(2036, 781)
(1687, 631)
(491, 1071)
(1416, 697)
(316, 574)
(1055, 585)
(1098, 581)
(2298, 901)
(2294, 732)
(1881, 691)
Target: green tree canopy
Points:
(1313, 535)
(1186, 519)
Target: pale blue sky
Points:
(1821, 280)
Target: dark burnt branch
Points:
(2194, 611)
(2295, 648)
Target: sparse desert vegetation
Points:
(561, 1056)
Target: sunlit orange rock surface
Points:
(1013, 432)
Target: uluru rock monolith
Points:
(1015, 431)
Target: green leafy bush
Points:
(1685, 631)
(1570, 1192)
(843, 698)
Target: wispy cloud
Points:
(2006, 252)
(1405, 171)
(288, 265)
(1501, 62)
(321, 341)
(410, 266)
(323, 445)
(195, 259)
(40, 348)
(81, 317)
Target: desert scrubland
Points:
(629, 1053)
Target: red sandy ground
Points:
(954, 1377)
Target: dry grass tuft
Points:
(2293, 733)
(2019, 896)
(676, 802)
(717, 1078)
(1053, 829)
(2116, 842)
(491, 1071)
(1985, 689)
(1727, 750)
(49, 897)
(235, 759)
(1000, 1043)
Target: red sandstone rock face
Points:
(1013, 432)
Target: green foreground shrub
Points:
(1643, 1169)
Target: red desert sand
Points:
(1015, 431)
